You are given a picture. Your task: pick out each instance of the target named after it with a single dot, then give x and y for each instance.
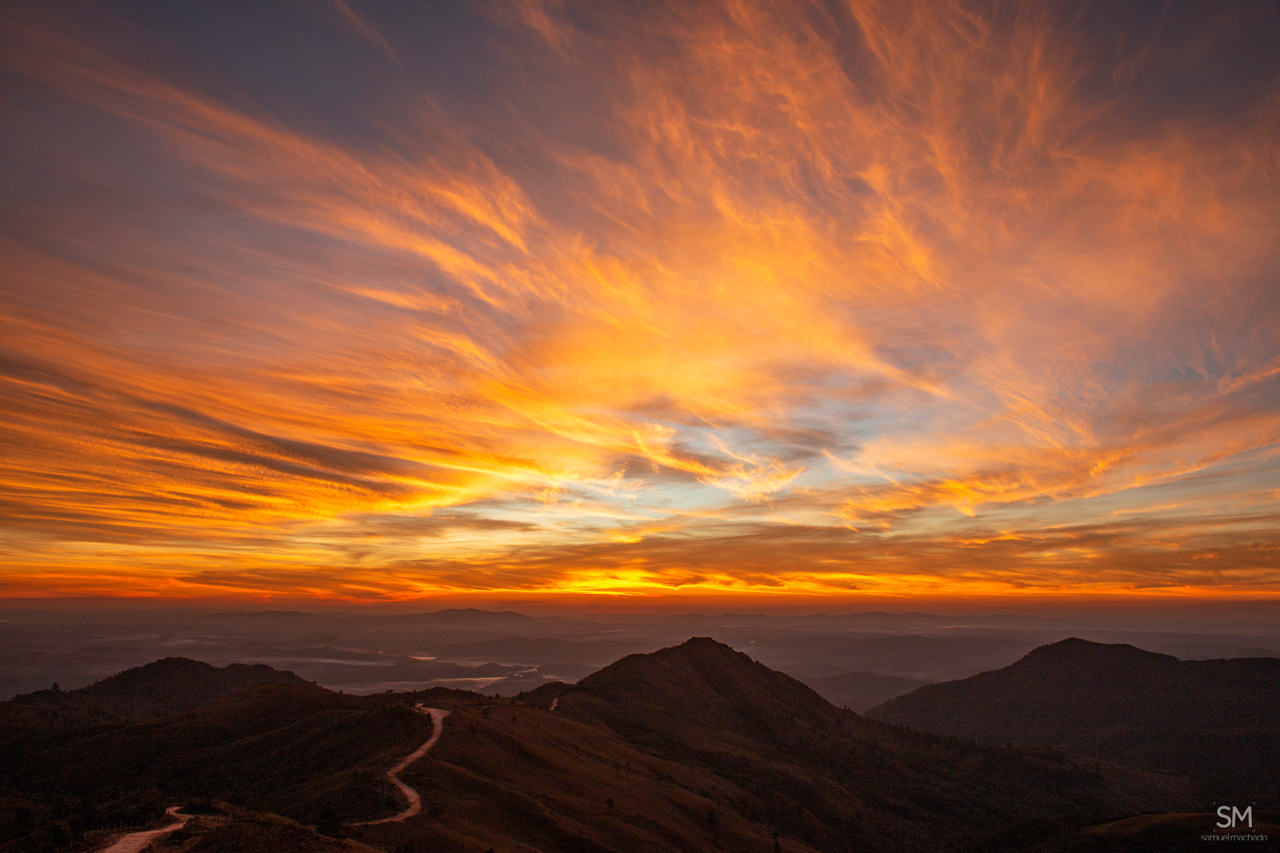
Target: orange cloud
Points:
(871, 297)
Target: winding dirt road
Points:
(415, 801)
(137, 841)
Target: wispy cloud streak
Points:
(743, 297)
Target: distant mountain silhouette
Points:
(1215, 720)
(168, 685)
(468, 617)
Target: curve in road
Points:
(137, 841)
(415, 801)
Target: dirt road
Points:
(137, 841)
(415, 801)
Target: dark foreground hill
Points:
(1217, 721)
(291, 748)
(692, 748)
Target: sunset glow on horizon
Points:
(360, 302)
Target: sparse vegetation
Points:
(694, 747)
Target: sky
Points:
(831, 301)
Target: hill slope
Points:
(784, 757)
(163, 687)
(1215, 720)
(694, 747)
(281, 745)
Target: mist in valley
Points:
(855, 660)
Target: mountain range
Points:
(1214, 721)
(168, 685)
(694, 747)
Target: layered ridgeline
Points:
(694, 747)
(1216, 721)
(698, 747)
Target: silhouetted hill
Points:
(168, 685)
(1215, 720)
(177, 684)
(705, 685)
(820, 774)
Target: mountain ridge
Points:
(820, 773)
(168, 685)
(694, 747)
(1217, 721)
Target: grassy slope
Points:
(1218, 721)
(699, 729)
(524, 779)
(698, 747)
(295, 749)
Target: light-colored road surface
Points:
(136, 841)
(415, 801)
